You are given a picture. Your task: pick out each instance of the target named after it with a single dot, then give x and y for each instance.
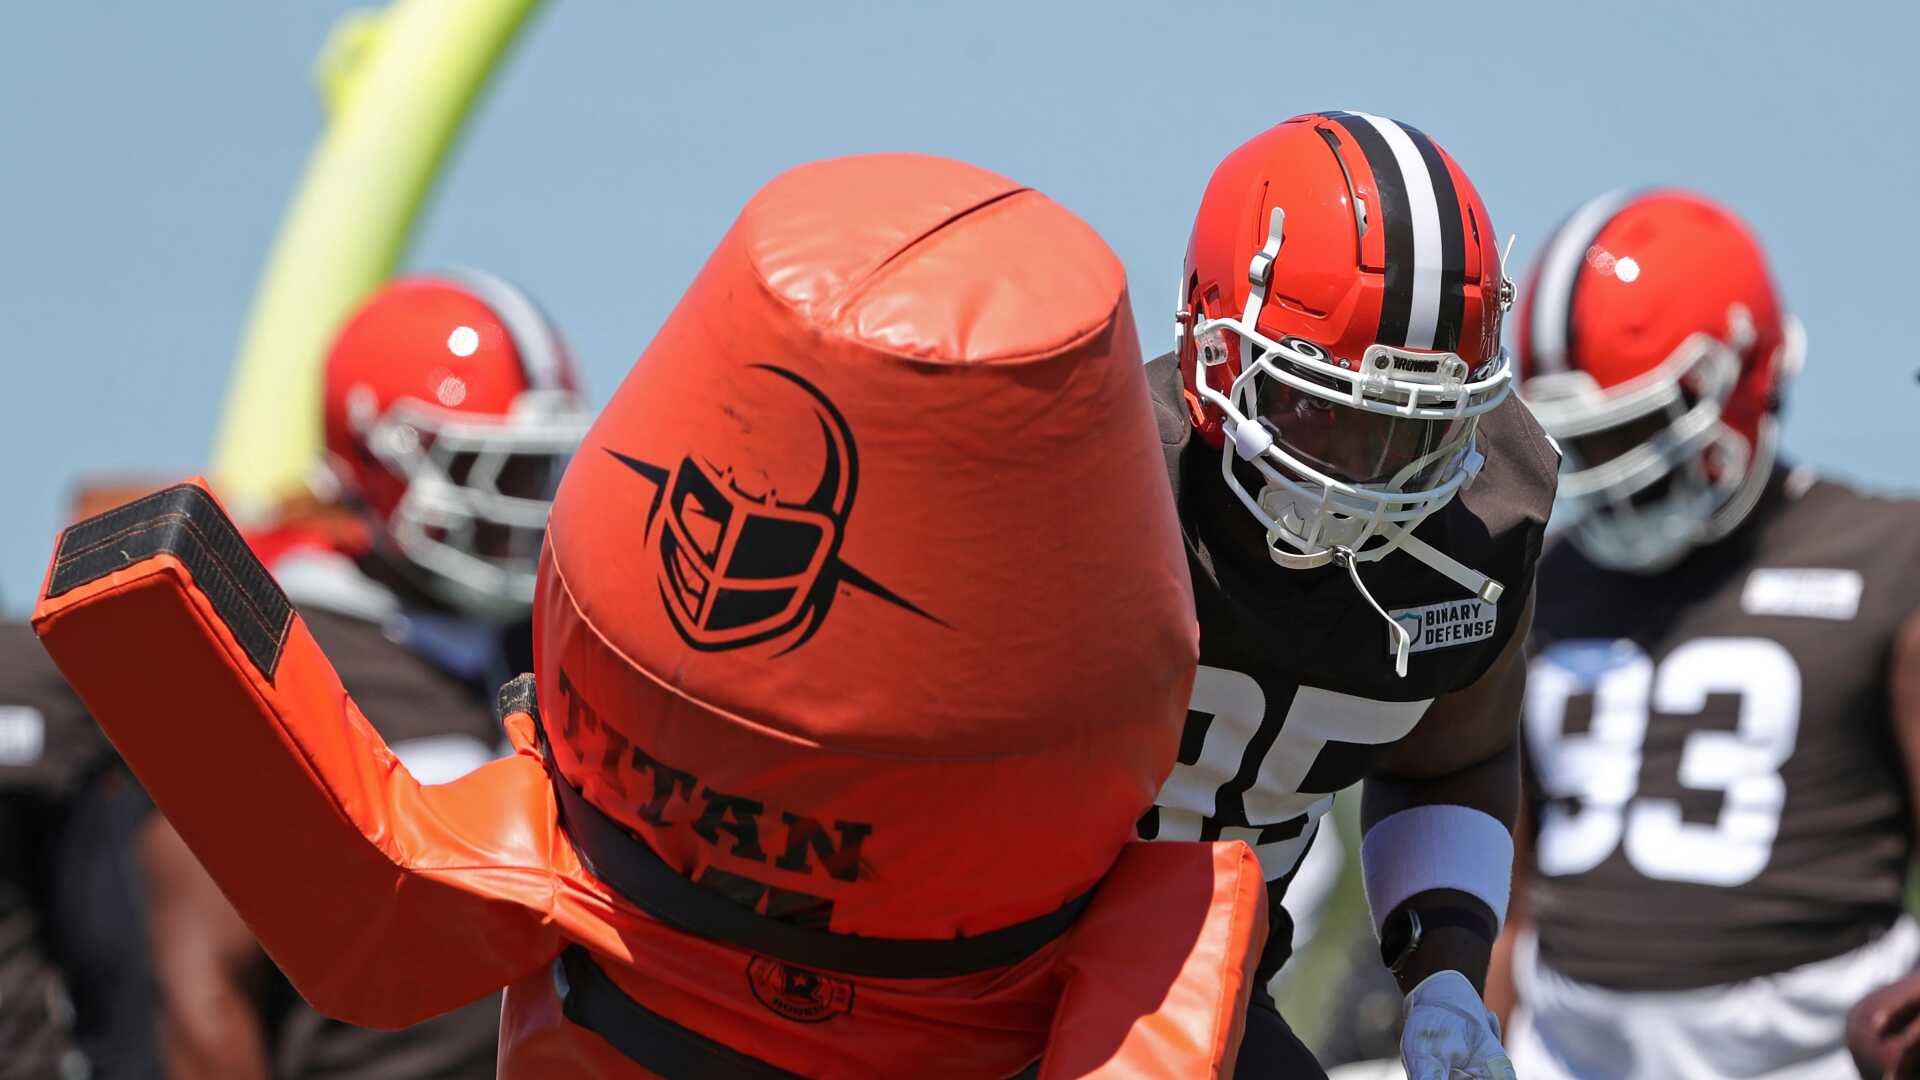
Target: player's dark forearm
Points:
(1501, 992)
(1448, 948)
(206, 965)
(212, 1033)
(1490, 785)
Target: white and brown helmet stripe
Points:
(1425, 231)
(1556, 280)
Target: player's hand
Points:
(1883, 1031)
(1449, 1032)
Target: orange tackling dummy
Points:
(863, 638)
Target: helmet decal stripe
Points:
(1550, 332)
(1424, 313)
(1396, 217)
(1453, 243)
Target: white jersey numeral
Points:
(1238, 707)
(1268, 790)
(1598, 770)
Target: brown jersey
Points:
(48, 746)
(1712, 774)
(1296, 694)
(48, 743)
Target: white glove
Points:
(1449, 1032)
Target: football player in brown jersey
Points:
(1722, 720)
(44, 755)
(1362, 502)
(451, 408)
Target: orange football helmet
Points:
(451, 409)
(1655, 353)
(1339, 336)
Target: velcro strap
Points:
(183, 521)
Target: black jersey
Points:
(433, 719)
(1712, 773)
(1296, 693)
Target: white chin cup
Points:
(1644, 540)
(1308, 527)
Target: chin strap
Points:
(1480, 585)
(1402, 641)
(1466, 577)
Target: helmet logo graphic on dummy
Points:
(749, 548)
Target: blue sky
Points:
(148, 150)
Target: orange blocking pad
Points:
(234, 721)
(1160, 967)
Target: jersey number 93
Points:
(1591, 779)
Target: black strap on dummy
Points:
(589, 998)
(626, 863)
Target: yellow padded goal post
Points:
(398, 82)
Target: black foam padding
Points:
(517, 696)
(185, 522)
